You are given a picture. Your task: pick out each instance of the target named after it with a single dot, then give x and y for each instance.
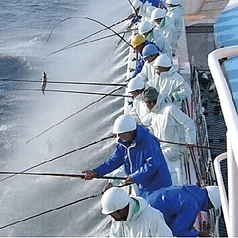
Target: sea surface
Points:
(35, 129)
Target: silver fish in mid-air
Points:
(43, 82)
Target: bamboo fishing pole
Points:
(71, 115)
(81, 176)
(59, 156)
(74, 92)
(57, 208)
(94, 20)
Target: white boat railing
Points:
(231, 120)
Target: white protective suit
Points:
(148, 73)
(169, 123)
(157, 37)
(140, 112)
(176, 14)
(169, 31)
(143, 11)
(142, 221)
(172, 83)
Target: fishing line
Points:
(70, 116)
(58, 208)
(95, 40)
(91, 19)
(63, 82)
(73, 92)
(58, 157)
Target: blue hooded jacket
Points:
(180, 206)
(143, 161)
(141, 61)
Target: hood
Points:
(136, 206)
(140, 133)
(171, 71)
(162, 101)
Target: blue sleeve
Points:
(139, 66)
(115, 161)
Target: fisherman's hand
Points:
(203, 234)
(90, 174)
(189, 145)
(128, 29)
(130, 16)
(129, 179)
(109, 185)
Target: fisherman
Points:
(170, 82)
(171, 125)
(148, 72)
(142, 115)
(164, 23)
(156, 36)
(141, 155)
(175, 12)
(138, 12)
(132, 216)
(138, 42)
(139, 110)
(180, 206)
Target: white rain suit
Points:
(140, 112)
(172, 83)
(156, 36)
(148, 73)
(169, 31)
(142, 11)
(176, 14)
(169, 123)
(142, 221)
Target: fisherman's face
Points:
(135, 93)
(139, 48)
(127, 136)
(119, 215)
(150, 105)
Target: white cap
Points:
(214, 196)
(124, 123)
(136, 4)
(136, 83)
(158, 13)
(114, 199)
(174, 2)
(144, 26)
(162, 61)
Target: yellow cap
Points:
(137, 40)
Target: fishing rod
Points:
(51, 210)
(91, 19)
(59, 207)
(59, 156)
(74, 92)
(70, 116)
(84, 38)
(81, 176)
(63, 82)
(95, 40)
(191, 145)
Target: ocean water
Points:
(25, 114)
